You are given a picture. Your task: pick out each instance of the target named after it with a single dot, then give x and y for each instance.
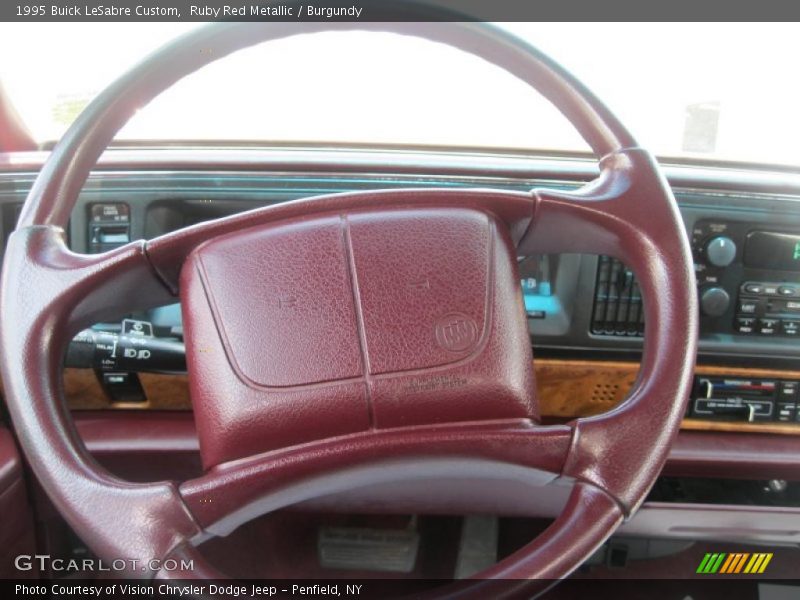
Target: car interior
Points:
(460, 369)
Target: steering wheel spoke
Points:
(53, 293)
(629, 213)
(517, 455)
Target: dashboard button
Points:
(768, 326)
(745, 324)
(791, 327)
(748, 306)
(786, 290)
(770, 289)
(787, 412)
(787, 392)
(754, 288)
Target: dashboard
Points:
(742, 425)
(744, 228)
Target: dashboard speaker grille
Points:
(607, 392)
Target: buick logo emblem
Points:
(456, 332)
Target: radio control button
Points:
(745, 324)
(768, 326)
(770, 289)
(714, 301)
(786, 290)
(748, 306)
(791, 327)
(754, 288)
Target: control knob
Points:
(721, 251)
(714, 301)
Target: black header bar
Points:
(397, 10)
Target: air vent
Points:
(617, 301)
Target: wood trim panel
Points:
(580, 388)
(567, 389)
(83, 391)
(574, 388)
(701, 425)
(747, 372)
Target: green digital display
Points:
(774, 250)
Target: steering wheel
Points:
(358, 342)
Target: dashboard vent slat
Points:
(617, 301)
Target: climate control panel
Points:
(750, 400)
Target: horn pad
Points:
(302, 330)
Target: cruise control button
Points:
(745, 324)
(768, 326)
(791, 328)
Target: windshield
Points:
(712, 91)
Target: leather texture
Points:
(17, 530)
(129, 442)
(282, 302)
(629, 213)
(312, 329)
(142, 446)
(736, 456)
(241, 490)
(63, 293)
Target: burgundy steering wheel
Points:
(355, 343)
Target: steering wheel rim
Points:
(628, 212)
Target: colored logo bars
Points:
(733, 563)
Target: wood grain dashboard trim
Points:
(567, 389)
(83, 391)
(578, 388)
